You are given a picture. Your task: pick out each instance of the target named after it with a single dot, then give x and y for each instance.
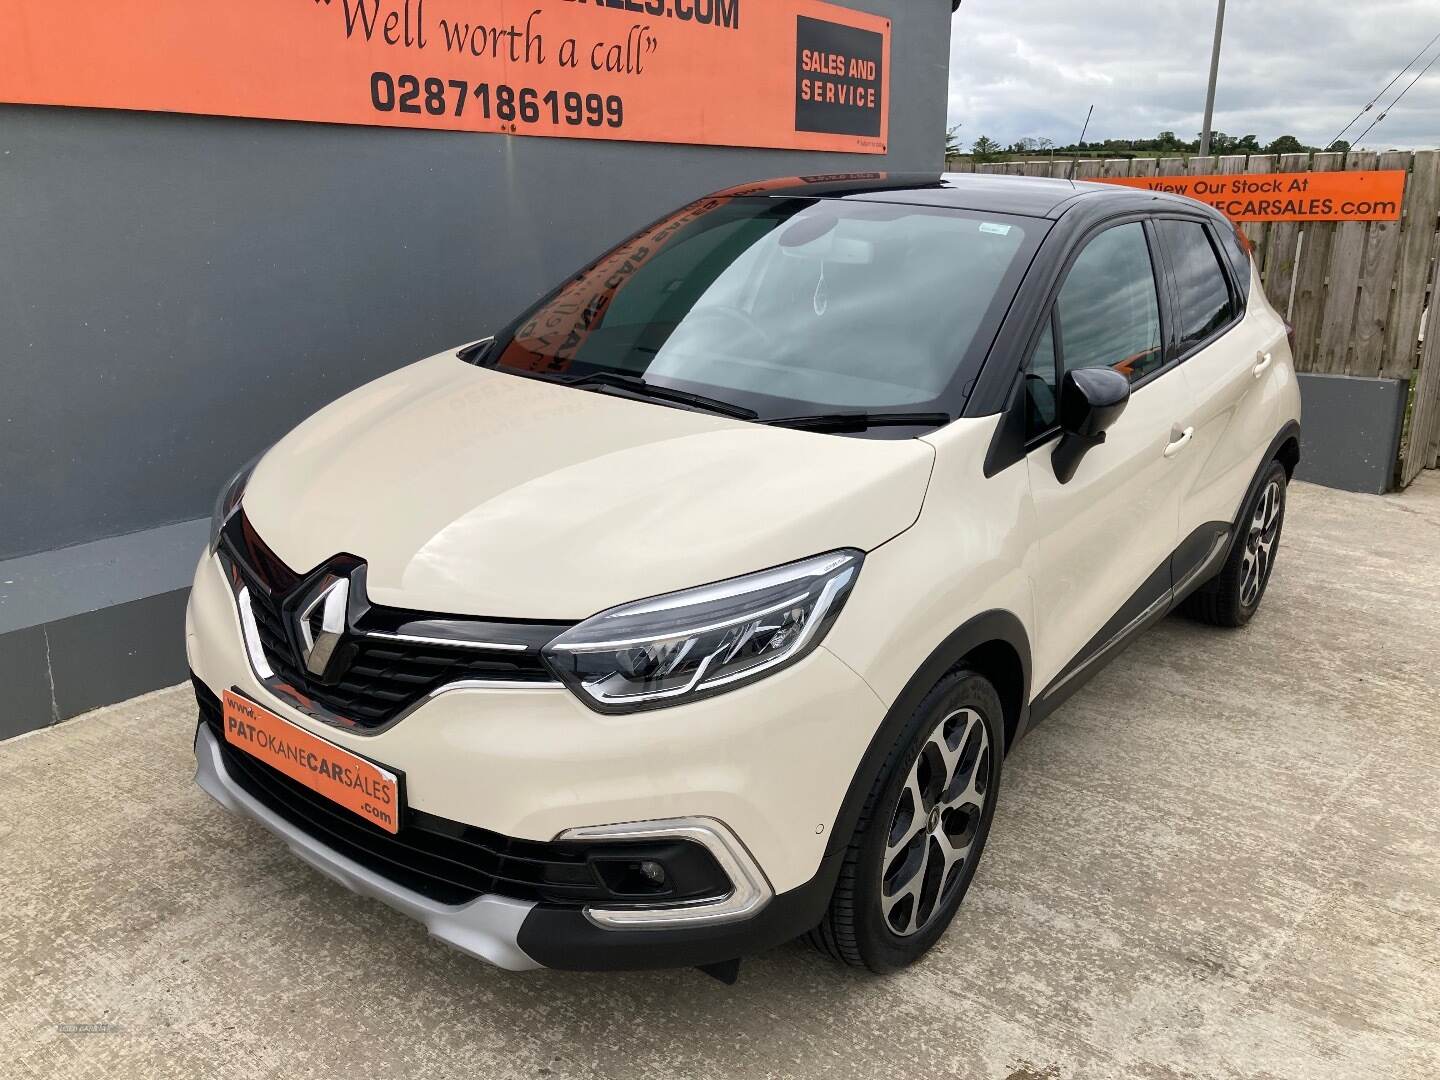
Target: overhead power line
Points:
(1070, 173)
(1394, 79)
(1386, 111)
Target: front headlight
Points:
(687, 645)
(228, 501)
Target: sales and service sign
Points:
(799, 74)
(1307, 196)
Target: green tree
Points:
(1247, 144)
(1286, 144)
(1339, 146)
(1220, 143)
(985, 149)
(952, 142)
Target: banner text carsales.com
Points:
(1315, 196)
(721, 13)
(1315, 208)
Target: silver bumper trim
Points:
(749, 893)
(487, 928)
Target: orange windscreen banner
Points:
(342, 777)
(797, 74)
(1306, 196)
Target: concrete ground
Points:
(1220, 859)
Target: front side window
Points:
(1109, 312)
(1107, 315)
(786, 306)
(1205, 301)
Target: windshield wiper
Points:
(639, 386)
(862, 421)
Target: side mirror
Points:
(1091, 400)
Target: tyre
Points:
(921, 831)
(1232, 597)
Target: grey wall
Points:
(176, 291)
(1350, 437)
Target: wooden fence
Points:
(1355, 291)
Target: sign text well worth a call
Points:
(794, 74)
(1374, 195)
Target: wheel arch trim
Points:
(1278, 450)
(988, 630)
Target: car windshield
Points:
(786, 306)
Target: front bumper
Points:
(488, 927)
(522, 935)
(772, 761)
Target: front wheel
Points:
(1233, 596)
(921, 832)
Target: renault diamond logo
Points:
(322, 625)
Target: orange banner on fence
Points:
(799, 74)
(1304, 196)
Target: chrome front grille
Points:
(394, 659)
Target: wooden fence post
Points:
(1311, 270)
(1282, 246)
(1331, 353)
(1421, 447)
(1412, 271)
(1377, 289)
(1257, 232)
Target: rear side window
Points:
(1206, 304)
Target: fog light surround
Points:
(750, 889)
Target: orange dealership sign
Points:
(1303, 196)
(798, 74)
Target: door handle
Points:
(1179, 444)
(1262, 362)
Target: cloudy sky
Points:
(1302, 67)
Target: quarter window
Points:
(1205, 301)
(1041, 383)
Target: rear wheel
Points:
(1233, 596)
(921, 832)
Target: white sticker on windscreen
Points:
(994, 227)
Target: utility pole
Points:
(1214, 72)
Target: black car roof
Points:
(1029, 196)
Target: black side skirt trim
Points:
(1147, 604)
(1198, 558)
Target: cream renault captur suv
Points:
(697, 609)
